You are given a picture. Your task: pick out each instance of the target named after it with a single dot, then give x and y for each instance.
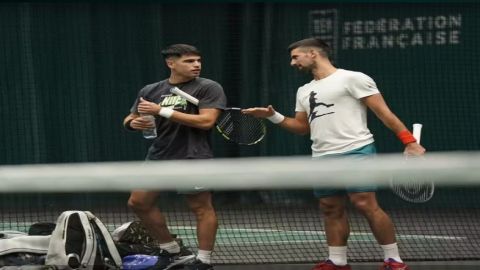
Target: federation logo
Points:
(324, 24)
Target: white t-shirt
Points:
(337, 116)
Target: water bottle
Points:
(150, 133)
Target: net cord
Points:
(239, 173)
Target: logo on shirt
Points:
(174, 102)
(314, 104)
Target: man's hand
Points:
(260, 112)
(142, 123)
(414, 149)
(147, 107)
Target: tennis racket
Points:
(232, 124)
(412, 189)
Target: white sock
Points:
(391, 251)
(338, 255)
(171, 247)
(204, 256)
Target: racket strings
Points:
(226, 124)
(414, 191)
(240, 128)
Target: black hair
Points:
(312, 42)
(178, 50)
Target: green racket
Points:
(232, 124)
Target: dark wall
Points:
(70, 72)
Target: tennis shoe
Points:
(135, 233)
(391, 264)
(168, 260)
(329, 265)
(198, 265)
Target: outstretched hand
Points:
(147, 107)
(260, 112)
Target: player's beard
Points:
(306, 69)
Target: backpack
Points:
(81, 241)
(17, 249)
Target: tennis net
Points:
(266, 209)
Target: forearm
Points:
(200, 121)
(298, 125)
(383, 112)
(205, 119)
(392, 122)
(295, 126)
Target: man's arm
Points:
(298, 125)
(377, 104)
(134, 121)
(205, 119)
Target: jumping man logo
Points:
(314, 104)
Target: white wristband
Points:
(165, 112)
(276, 118)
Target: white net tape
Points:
(241, 173)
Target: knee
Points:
(138, 206)
(201, 205)
(331, 210)
(366, 205)
(203, 210)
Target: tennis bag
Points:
(81, 241)
(18, 249)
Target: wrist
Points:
(406, 137)
(165, 112)
(276, 118)
(128, 125)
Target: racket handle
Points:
(417, 131)
(189, 98)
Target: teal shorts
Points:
(364, 152)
